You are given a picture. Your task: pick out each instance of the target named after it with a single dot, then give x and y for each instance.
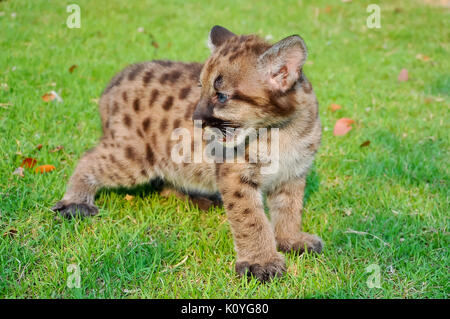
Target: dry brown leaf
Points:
(10, 232)
(364, 144)
(334, 107)
(155, 44)
(28, 162)
(57, 149)
(39, 147)
(44, 168)
(403, 75)
(73, 67)
(129, 197)
(342, 126)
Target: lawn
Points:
(385, 204)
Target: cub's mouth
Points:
(227, 133)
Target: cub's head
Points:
(248, 83)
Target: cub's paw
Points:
(300, 243)
(264, 272)
(70, 210)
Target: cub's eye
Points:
(222, 98)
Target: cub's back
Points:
(150, 95)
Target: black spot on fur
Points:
(176, 123)
(153, 97)
(130, 153)
(136, 105)
(146, 124)
(135, 70)
(127, 120)
(238, 194)
(168, 103)
(184, 92)
(148, 76)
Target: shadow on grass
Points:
(143, 190)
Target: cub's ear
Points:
(217, 36)
(282, 63)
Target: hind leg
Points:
(202, 202)
(102, 166)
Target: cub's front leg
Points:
(286, 205)
(253, 235)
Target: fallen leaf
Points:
(52, 96)
(403, 75)
(424, 58)
(335, 107)
(129, 197)
(44, 168)
(342, 126)
(73, 67)
(28, 162)
(19, 171)
(47, 97)
(10, 232)
(155, 44)
(39, 147)
(364, 144)
(57, 149)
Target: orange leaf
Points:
(47, 97)
(45, 168)
(39, 147)
(342, 126)
(364, 144)
(129, 197)
(28, 162)
(403, 75)
(335, 107)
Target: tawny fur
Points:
(144, 103)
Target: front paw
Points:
(301, 242)
(263, 271)
(69, 210)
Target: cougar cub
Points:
(246, 84)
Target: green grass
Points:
(397, 189)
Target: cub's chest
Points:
(293, 161)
